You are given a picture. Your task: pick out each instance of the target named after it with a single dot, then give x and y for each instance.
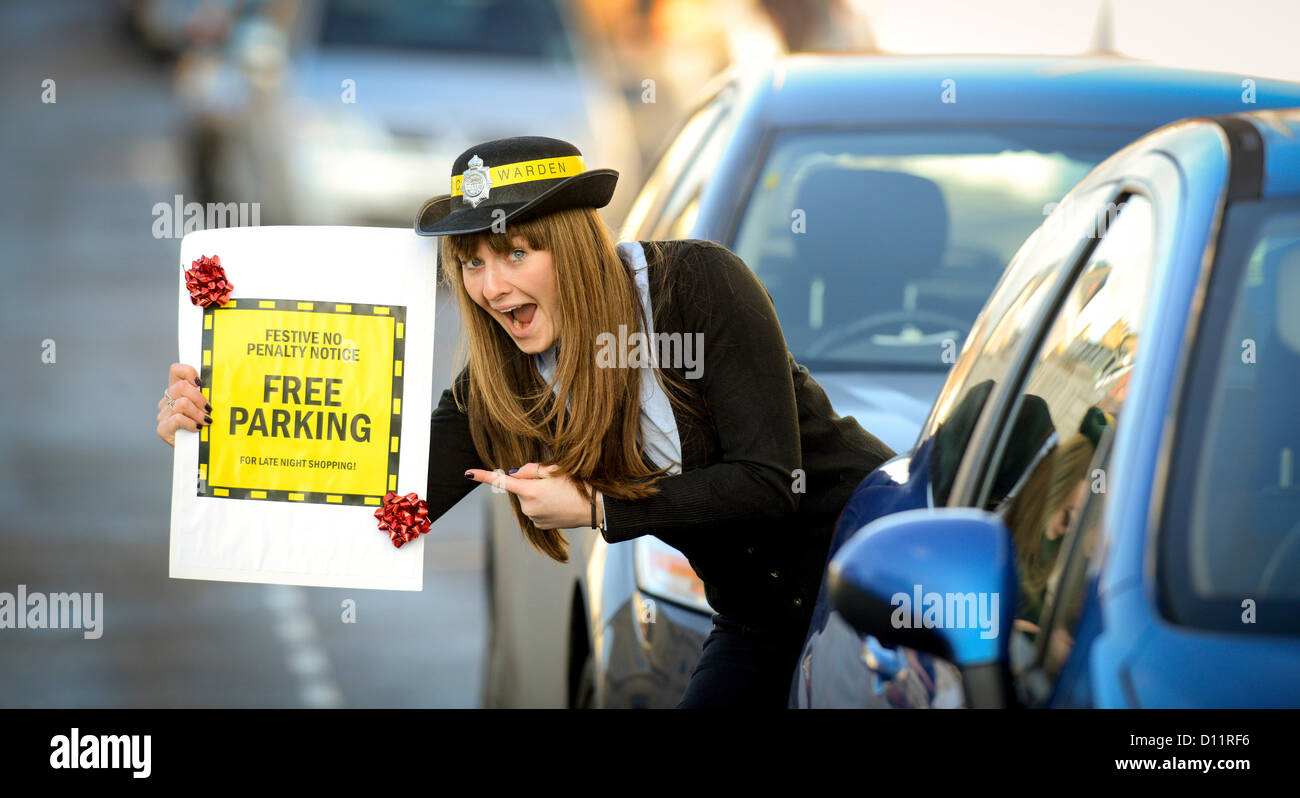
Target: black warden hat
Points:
(513, 179)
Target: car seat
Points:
(869, 232)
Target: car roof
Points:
(1102, 91)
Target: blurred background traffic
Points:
(350, 112)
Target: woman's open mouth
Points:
(521, 318)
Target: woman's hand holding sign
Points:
(182, 405)
(551, 502)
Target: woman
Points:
(735, 457)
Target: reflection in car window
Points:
(684, 221)
(683, 204)
(951, 438)
(1000, 328)
(667, 178)
(1234, 525)
(880, 245)
(1068, 582)
(1073, 394)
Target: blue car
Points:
(1102, 509)
(879, 199)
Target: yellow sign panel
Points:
(306, 400)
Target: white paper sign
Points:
(319, 372)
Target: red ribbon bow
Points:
(404, 518)
(207, 282)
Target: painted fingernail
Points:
(513, 470)
(198, 382)
(468, 475)
(208, 407)
(207, 419)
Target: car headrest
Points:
(872, 218)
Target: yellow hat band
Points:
(528, 171)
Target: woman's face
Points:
(1060, 523)
(522, 280)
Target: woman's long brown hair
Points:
(1044, 493)
(515, 417)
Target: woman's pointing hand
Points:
(550, 500)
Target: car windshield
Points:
(1232, 555)
(477, 28)
(880, 247)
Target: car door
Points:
(1040, 462)
(1046, 465)
(1220, 622)
(841, 668)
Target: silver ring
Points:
(171, 403)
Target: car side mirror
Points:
(942, 581)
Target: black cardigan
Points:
(737, 511)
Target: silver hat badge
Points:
(475, 182)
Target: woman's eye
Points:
(472, 263)
(519, 254)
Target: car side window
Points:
(683, 204)
(1229, 542)
(1043, 468)
(1000, 328)
(1067, 586)
(661, 196)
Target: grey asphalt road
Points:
(84, 481)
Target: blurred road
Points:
(85, 482)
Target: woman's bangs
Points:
(462, 247)
(534, 231)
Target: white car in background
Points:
(354, 111)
